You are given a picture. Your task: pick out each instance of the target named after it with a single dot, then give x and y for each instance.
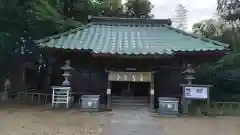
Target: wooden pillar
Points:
(184, 101)
(152, 94)
(109, 100)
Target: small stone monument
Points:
(66, 73)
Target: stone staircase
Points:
(129, 102)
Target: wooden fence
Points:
(32, 97)
(225, 108)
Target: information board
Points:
(195, 92)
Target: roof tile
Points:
(130, 39)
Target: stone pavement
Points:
(132, 122)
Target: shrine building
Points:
(126, 57)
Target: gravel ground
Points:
(200, 126)
(39, 121)
(27, 120)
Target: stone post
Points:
(152, 92)
(109, 100)
(152, 100)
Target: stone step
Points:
(130, 107)
(128, 98)
(130, 104)
(130, 101)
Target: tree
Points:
(106, 8)
(180, 19)
(229, 9)
(45, 10)
(28, 20)
(211, 28)
(79, 10)
(17, 22)
(220, 30)
(139, 8)
(223, 74)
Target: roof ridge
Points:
(63, 33)
(133, 20)
(197, 36)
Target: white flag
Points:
(134, 79)
(141, 77)
(125, 77)
(118, 77)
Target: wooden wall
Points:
(90, 77)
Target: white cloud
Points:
(197, 9)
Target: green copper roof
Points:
(130, 36)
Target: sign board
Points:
(130, 76)
(195, 92)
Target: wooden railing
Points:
(33, 97)
(37, 97)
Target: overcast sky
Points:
(197, 9)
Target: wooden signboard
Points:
(130, 76)
(196, 92)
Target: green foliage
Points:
(229, 9)
(14, 17)
(29, 20)
(80, 9)
(225, 73)
(45, 11)
(139, 8)
(225, 78)
(220, 31)
(105, 8)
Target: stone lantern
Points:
(62, 94)
(189, 74)
(66, 73)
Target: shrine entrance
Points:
(134, 87)
(130, 89)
